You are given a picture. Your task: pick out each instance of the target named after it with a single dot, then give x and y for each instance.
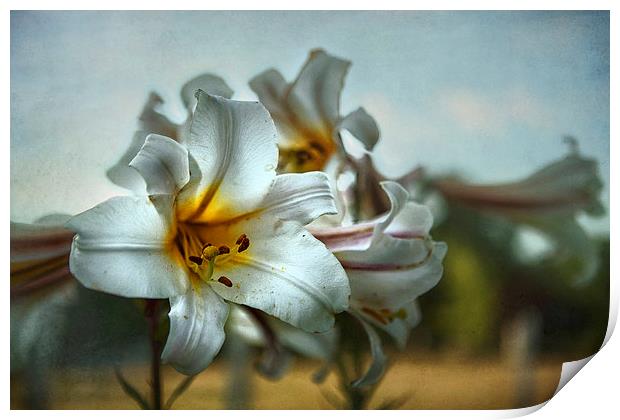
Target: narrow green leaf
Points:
(179, 390)
(130, 390)
(394, 403)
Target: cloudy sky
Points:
(488, 95)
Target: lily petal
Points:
(300, 197)
(233, 153)
(314, 96)
(40, 255)
(123, 247)
(315, 346)
(210, 83)
(362, 126)
(564, 186)
(346, 238)
(37, 242)
(572, 246)
(378, 360)
(400, 327)
(404, 220)
(121, 174)
(196, 335)
(394, 271)
(286, 273)
(163, 163)
(390, 261)
(271, 89)
(152, 121)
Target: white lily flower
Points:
(218, 225)
(390, 261)
(548, 200)
(307, 112)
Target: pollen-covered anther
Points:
(195, 259)
(223, 249)
(243, 242)
(225, 281)
(302, 157)
(376, 315)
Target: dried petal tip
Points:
(198, 93)
(195, 259)
(225, 281)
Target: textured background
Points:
(486, 94)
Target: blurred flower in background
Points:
(549, 200)
(307, 113)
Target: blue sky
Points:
(488, 95)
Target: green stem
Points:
(152, 315)
(356, 398)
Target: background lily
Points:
(39, 255)
(280, 341)
(41, 291)
(365, 198)
(390, 261)
(152, 121)
(307, 113)
(549, 201)
(218, 225)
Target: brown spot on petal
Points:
(225, 281)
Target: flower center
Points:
(202, 257)
(307, 156)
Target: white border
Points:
(593, 394)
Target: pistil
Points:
(204, 265)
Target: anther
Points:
(376, 315)
(206, 246)
(195, 259)
(225, 281)
(240, 238)
(245, 244)
(223, 249)
(302, 156)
